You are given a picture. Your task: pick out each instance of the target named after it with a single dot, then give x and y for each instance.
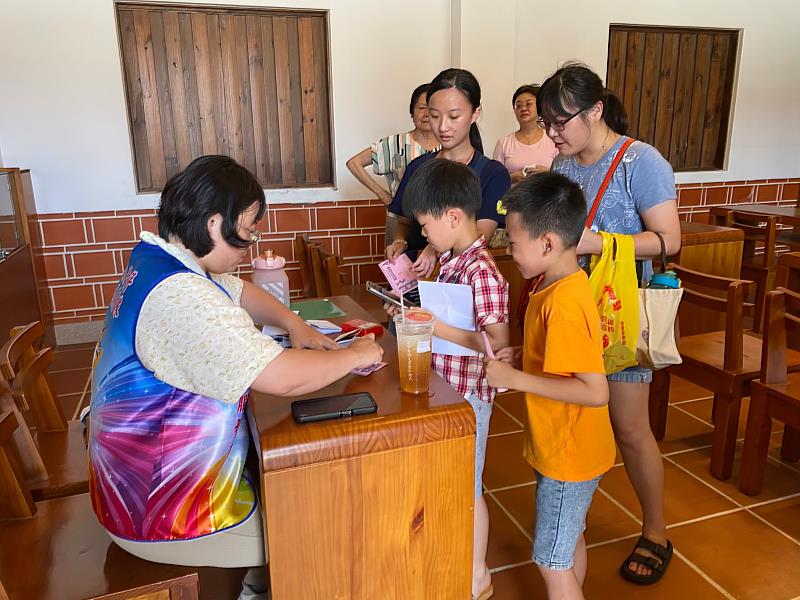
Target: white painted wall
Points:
(765, 140)
(62, 105)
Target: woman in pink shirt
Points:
(527, 150)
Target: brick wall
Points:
(81, 255)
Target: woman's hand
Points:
(499, 374)
(395, 249)
(590, 243)
(426, 262)
(511, 355)
(385, 197)
(391, 309)
(366, 350)
(305, 337)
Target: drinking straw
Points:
(402, 307)
(490, 353)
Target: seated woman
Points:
(527, 150)
(179, 354)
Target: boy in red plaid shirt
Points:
(444, 196)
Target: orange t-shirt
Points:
(567, 442)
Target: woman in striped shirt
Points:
(390, 155)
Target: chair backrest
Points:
(788, 274)
(781, 331)
(760, 232)
(302, 250)
(16, 501)
(34, 393)
(20, 349)
(722, 295)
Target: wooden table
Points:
(378, 506)
(787, 215)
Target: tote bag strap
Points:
(602, 189)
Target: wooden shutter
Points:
(677, 86)
(248, 83)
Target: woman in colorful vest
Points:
(179, 354)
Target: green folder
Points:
(317, 309)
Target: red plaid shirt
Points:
(474, 267)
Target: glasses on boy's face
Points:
(557, 125)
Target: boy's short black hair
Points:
(549, 202)
(209, 185)
(441, 184)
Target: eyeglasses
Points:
(253, 237)
(556, 125)
(521, 105)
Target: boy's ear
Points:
(550, 242)
(454, 216)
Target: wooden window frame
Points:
(207, 66)
(703, 101)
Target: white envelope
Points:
(451, 303)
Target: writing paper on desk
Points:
(451, 303)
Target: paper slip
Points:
(370, 369)
(324, 326)
(273, 331)
(399, 274)
(453, 304)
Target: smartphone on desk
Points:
(333, 407)
(411, 298)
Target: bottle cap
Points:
(269, 260)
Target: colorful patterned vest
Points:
(164, 463)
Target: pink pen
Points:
(490, 353)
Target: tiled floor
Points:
(727, 545)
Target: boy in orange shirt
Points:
(569, 441)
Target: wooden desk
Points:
(378, 506)
(787, 215)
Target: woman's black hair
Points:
(441, 184)
(576, 87)
(464, 82)
(209, 185)
(420, 89)
(528, 88)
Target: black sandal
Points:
(657, 566)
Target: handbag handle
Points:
(663, 252)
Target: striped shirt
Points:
(474, 267)
(391, 155)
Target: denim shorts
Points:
(561, 508)
(483, 413)
(635, 374)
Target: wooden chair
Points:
(52, 450)
(788, 272)
(758, 254)
(16, 501)
(302, 245)
(776, 395)
(724, 362)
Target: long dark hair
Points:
(576, 87)
(464, 82)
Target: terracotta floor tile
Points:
(69, 382)
(684, 432)
(507, 544)
(680, 390)
(514, 403)
(504, 463)
(519, 583)
(680, 582)
(775, 448)
(684, 497)
(779, 481)
(501, 422)
(785, 515)
(702, 409)
(745, 556)
(77, 356)
(605, 521)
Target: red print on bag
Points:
(124, 283)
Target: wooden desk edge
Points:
(348, 438)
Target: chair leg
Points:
(756, 445)
(790, 447)
(726, 425)
(659, 403)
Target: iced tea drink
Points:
(414, 338)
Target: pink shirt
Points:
(514, 154)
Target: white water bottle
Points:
(269, 274)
